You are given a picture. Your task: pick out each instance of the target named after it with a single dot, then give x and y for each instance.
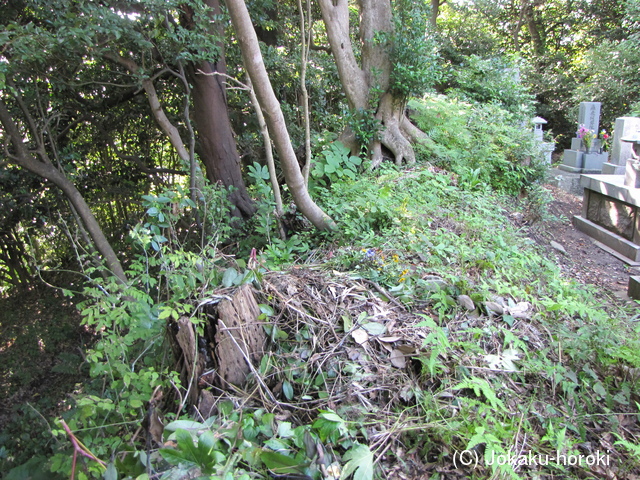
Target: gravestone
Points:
(589, 115)
(577, 159)
(621, 151)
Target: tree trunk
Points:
(535, 31)
(273, 115)
(217, 142)
(49, 172)
(210, 111)
(435, 11)
(359, 82)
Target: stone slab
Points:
(622, 151)
(567, 168)
(621, 245)
(573, 158)
(609, 168)
(567, 181)
(576, 143)
(594, 161)
(581, 171)
(612, 186)
(611, 251)
(633, 289)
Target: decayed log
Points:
(193, 363)
(233, 339)
(239, 338)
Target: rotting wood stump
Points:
(233, 341)
(239, 338)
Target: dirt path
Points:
(584, 260)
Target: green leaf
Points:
(110, 473)
(332, 417)
(165, 312)
(481, 388)
(184, 424)
(285, 430)
(266, 309)
(599, 389)
(328, 168)
(374, 328)
(207, 441)
(174, 457)
(280, 464)
(360, 461)
(347, 323)
(287, 389)
(230, 274)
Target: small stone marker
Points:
(634, 287)
(557, 246)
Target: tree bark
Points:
(268, 150)
(211, 114)
(217, 142)
(273, 115)
(359, 82)
(219, 154)
(47, 171)
(304, 58)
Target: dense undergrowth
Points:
(430, 338)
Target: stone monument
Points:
(546, 148)
(621, 151)
(611, 206)
(577, 159)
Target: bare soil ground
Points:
(584, 261)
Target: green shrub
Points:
(491, 80)
(485, 140)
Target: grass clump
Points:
(483, 143)
(431, 332)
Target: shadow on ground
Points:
(41, 363)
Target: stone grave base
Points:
(634, 287)
(575, 161)
(612, 169)
(610, 214)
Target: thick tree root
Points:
(397, 135)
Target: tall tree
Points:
(274, 118)
(379, 83)
(44, 168)
(210, 109)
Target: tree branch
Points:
(25, 159)
(156, 108)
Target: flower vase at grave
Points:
(593, 147)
